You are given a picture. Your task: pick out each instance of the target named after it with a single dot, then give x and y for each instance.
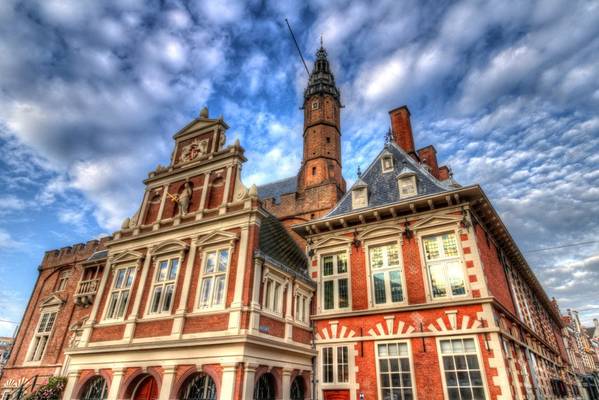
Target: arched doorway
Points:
(198, 387)
(297, 389)
(96, 388)
(146, 389)
(265, 388)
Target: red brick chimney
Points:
(401, 128)
(428, 156)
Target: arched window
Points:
(199, 387)
(265, 388)
(297, 389)
(95, 389)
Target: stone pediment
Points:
(217, 237)
(199, 125)
(170, 246)
(52, 301)
(380, 231)
(436, 220)
(126, 256)
(332, 241)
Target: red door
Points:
(146, 390)
(336, 394)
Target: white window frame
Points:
(403, 181)
(384, 159)
(410, 360)
(272, 301)
(302, 301)
(479, 358)
(336, 383)
(63, 280)
(34, 355)
(371, 243)
(359, 197)
(130, 271)
(210, 306)
(459, 258)
(164, 284)
(335, 277)
(315, 104)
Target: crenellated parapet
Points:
(74, 253)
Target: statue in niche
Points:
(194, 150)
(221, 139)
(185, 198)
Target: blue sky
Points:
(91, 92)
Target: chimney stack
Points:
(444, 173)
(428, 156)
(401, 129)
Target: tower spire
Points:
(322, 80)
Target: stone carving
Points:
(184, 199)
(129, 223)
(194, 150)
(221, 139)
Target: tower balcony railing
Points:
(86, 291)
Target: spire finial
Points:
(359, 172)
(388, 136)
(321, 40)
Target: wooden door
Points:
(336, 394)
(147, 390)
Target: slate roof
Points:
(98, 255)
(383, 187)
(276, 243)
(278, 188)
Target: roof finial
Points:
(388, 136)
(321, 40)
(359, 172)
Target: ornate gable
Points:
(437, 220)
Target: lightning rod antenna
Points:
(297, 47)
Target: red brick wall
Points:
(153, 207)
(206, 323)
(301, 335)
(274, 327)
(413, 271)
(103, 333)
(153, 328)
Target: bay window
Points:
(386, 272)
(119, 296)
(335, 364)
(461, 368)
(444, 266)
(272, 298)
(164, 286)
(335, 281)
(214, 274)
(302, 308)
(42, 335)
(395, 375)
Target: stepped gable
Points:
(383, 188)
(274, 190)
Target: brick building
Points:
(406, 286)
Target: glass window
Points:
(463, 375)
(407, 187)
(164, 286)
(272, 300)
(335, 364)
(302, 308)
(335, 278)
(95, 389)
(199, 387)
(119, 296)
(213, 284)
(63, 279)
(385, 267)
(42, 335)
(445, 270)
(394, 371)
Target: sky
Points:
(91, 93)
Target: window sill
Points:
(207, 311)
(273, 315)
(157, 316)
(388, 305)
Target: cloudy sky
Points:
(91, 92)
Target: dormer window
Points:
(407, 187)
(387, 163)
(359, 195)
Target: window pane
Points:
(210, 262)
(156, 299)
(450, 246)
(223, 258)
(50, 322)
(219, 290)
(394, 368)
(383, 350)
(329, 295)
(174, 267)
(393, 255)
(275, 300)
(42, 325)
(341, 263)
(343, 293)
(120, 277)
(112, 305)
(130, 276)
(469, 346)
(379, 288)
(395, 280)
(267, 293)
(162, 269)
(327, 365)
(438, 284)
(342, 364)
(376, 257)
(455, 275)
(327, 265)
(123, 303)
(205, 292)
(431, 248)
(168, 297)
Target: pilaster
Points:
(72, 378)
(228, 381)
(115, 384)
(168, 377)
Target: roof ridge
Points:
(277, 181)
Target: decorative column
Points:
(181, 309)
(72, 378)
(286, 384)
(227, 187)
(130, 322)
(289, 310)
(228, 381)
(237, 303)
(161, 208)
(168, 378)
(202, 205)
(255, 304)
(249, 374)
(115, 384)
